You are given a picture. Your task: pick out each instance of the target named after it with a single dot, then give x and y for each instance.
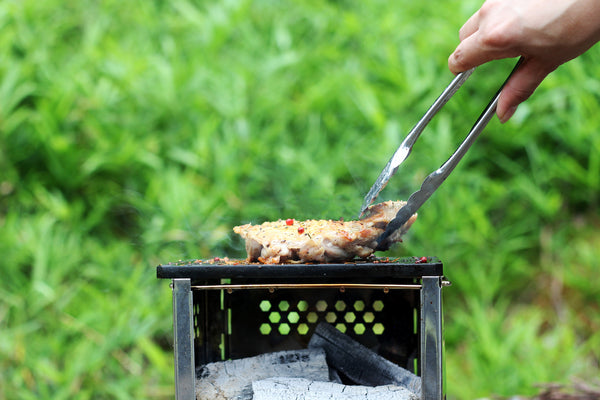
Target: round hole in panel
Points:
(359, 305)
(265, 305)
(378, 328)
(321, 305)
(341, 327)
(340, 305)
(293, 317)
(284, 329)
(302, 329)
(302, 306)
(284, 305)
(330, 317)
(265, 329)
(368, 317)
(359, 329)
(350, 317)
(312, 317)
(274, 317)
(378, 305)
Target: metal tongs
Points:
(436, 178)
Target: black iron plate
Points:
(406, 267)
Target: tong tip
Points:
(363, 209)
(404, 214)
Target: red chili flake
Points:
(421, 260)
(289, 221)
(301, 230)
(216, 259)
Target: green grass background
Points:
(136, 132)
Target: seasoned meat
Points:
(320, 240)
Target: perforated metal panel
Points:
(358, 318)
(251, 322)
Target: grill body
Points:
(234, 311)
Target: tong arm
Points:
(407, 144)
(436, 178)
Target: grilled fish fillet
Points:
(320, 240)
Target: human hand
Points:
(546, 33)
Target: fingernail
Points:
(509, 113)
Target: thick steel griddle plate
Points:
(408, 267)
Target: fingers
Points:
(470, 27)
(490, 34)
(465, 56)
(455, 61)
(476, 50)
(519, 87)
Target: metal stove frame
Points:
(376, 274)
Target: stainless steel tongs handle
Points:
(436, 178)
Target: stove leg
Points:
(183, 318)
(431, 339)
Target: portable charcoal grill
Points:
(230, 310)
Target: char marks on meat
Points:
(320, 241)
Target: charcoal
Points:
(359, 364)
(232, 380)
(283, 388)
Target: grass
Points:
(140, 132)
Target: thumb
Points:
(519, 88)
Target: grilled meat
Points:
(320, 240)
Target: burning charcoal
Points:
(359, 364)
(304, 389)
(227, 380)
(334, 376)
